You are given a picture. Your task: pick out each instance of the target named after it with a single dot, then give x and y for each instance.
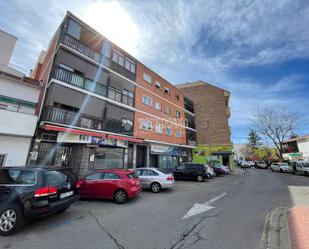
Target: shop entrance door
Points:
(141, 152)
(154, 161)
(225, 160)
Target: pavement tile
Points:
(298, 220)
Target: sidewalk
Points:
(298, 220)
(286, 228)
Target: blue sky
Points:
(258, 50)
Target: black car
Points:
(28, 193)
(190, 171)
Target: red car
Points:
(114, 184)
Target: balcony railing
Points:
(87, 84)
(98, 57)
(61, 116)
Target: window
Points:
(149, 172)
(147, 78)
(121, 60)
(108, 158)
(178, 133)
(96, 176)
(114, 94)
(127, 97)
(132, 175)
(127, 122)
(167, 91)
(168, 131)
(177, 114)
(168, 109)
(74, 29)
(55, 178)
(146, 125)
(107, 49)
(159, 128)
(130, 65)
(147, 100)
(158, 106)
(110, 176)
(158, 85)
(181, 167)
(177, 97)
(133, 68)
(115, 57)
(17, 176)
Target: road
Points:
(239, 204)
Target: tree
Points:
(276, 123)
(253, 140)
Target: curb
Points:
(276, 230)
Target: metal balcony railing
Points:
(77, 45)
(61, 116)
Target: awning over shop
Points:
(221, 153)
(164, 150)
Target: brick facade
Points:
(211, 105)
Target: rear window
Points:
(17, 177)
(132, 175)
(55, 178)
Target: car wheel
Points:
(120, 196)
(281, 170)
(155, 187)
(208, 175)
(11, 220)
(199, 178)
(306, 173)
(272, 169)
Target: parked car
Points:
(251, 164)
(261, 165)
(210, 171)
(300, 167)
(281, 167)
(190, 171)
(155, 179)
(114, 184)
(32, 192)
(244, 164)
(220, 169)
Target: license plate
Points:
(67, 194)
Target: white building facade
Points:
(297, 148)
(18, 100)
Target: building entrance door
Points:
(225, 160)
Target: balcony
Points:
(61, 116)
(76, 80)
(189, 106)
(191, 138)
(98, 57)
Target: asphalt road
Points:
(152, 221)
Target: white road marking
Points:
(199, 208)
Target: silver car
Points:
(210, 172)
(155, 179)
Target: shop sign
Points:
(159, 148)
(65, 137)
(103, 141)
(121, 143)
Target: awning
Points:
(221, 153)
(90, 133)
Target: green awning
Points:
(17, 101)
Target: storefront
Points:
(214, 153)
(164, 157)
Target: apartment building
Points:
(212, 113)
(18, 100)
(94, 100)
(296, 148)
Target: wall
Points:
(303, 146)
(16, 149)
(210, 104)
(18, 90)
(165, 100)
(17, 123)
(7, 44)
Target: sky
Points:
(257, 50)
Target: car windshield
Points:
(283, 164)
(132, 175)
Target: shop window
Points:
(108, 158)
(147, 78)
(147, 100)
(169, 131)
(146, 125)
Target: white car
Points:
(300, 167)
(261, 165)
(251, 164)
(281, 167)
(210, 172)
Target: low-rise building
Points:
(18, 101)
(212, 113)
(297, 148)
